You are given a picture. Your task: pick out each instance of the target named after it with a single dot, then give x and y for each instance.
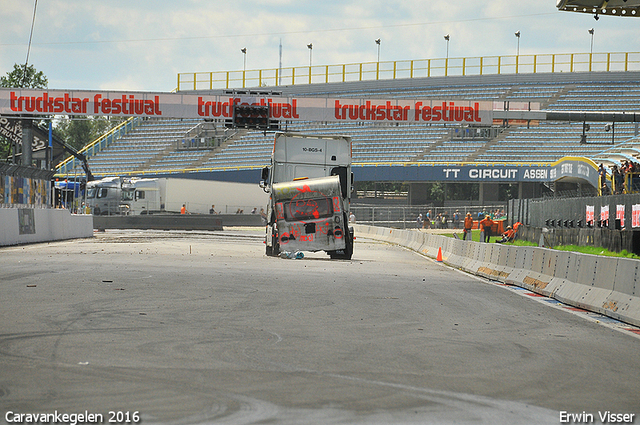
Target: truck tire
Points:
(348, 250)
(274, 249)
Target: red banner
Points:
(30, 102)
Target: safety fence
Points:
(419, 68)
(606, 285)
(407, 217)
(613, 212)
(24, 187)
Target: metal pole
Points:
(27, 141)
(446, 62)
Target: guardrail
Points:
(606, 285)
(419, 68)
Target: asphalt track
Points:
(202, 327)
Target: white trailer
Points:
(308, 211)
(117, 195)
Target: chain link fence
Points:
(406, 217)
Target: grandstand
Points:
(168, 146)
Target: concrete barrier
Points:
(31, 225)
(159, 222)
(607, 285)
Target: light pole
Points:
(378, 63)
(517, 33)
(446, 61)
(244, 67)
(310, 46)
(591, 31)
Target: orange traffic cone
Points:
(439, 257)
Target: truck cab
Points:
(104, 197)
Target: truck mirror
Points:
(265, 173)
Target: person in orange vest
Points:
(486, 226)
(183, 210)
(507, 236)
(468, 225)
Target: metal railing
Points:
(205, 135)
(406, 217)
(419, 68)
(71, 162)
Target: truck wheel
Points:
(348, 249)
(347, 252)
(274, 249)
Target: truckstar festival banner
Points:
(30, 102)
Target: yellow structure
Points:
(367, 71)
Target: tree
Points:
(78, 131)
(16, 79)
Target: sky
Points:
(142, 45)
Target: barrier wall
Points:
(176, 221)
(29, 225)
(606, 285)
(158, 222)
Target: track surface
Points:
(194, 327)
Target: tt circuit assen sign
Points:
(567, 168)
(27, 102)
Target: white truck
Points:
(310, 184)
(134, 196)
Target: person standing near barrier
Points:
(468, 225)
(456, 220)
(486, 228)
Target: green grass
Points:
(594, 250)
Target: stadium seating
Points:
(154, 146)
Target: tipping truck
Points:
(309, 184)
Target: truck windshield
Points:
(91, 193)
(127, 195)
(308, 209)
